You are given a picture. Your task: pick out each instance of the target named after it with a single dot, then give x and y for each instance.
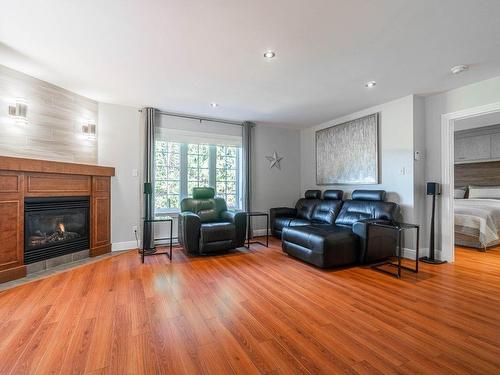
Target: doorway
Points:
(462, 120)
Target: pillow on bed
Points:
(484, 192)
(460, 193)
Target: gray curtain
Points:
(247, 168)
(149, 116)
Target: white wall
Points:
(477, 94)
(119, 146)
(396, 153)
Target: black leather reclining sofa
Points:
(308, 210)
(341, 239)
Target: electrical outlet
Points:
(134, 228)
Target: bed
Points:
(477, 220)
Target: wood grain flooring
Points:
(254, 312)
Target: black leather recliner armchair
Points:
(308, 210)
(207, 226)
(345, 241)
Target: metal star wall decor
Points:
(274, 161)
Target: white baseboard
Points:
(126, 245)
(411, 253)
(129, 245)
(259, 232)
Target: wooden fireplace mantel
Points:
(8, 163)
(21, 178)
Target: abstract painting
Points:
(348, 153)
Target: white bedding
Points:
(481, 215)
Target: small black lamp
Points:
(433, 188)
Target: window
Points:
(226, 174)
(167, 174)
(179, 167)
(198, 167)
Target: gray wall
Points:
(120, 147)
(419, 182)
(477, 94)
(55, 118)
(274, 187)
(395, 147)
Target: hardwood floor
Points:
(254, 312)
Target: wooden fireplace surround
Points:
(20, 178)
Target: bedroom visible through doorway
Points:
(476, 190)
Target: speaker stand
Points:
(431, 259)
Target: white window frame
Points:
(212, 176)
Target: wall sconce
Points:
(89, 130)
(19, 111)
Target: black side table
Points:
(148, 252)
(398, 228)
(249, 216)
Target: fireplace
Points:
(55, 226)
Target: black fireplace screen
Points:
(55, 226)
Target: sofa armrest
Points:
(189, 231)
(239, 219)
(282, 211)
(360, 228)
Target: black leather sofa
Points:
(308, 210)
(207, 226)
(343, 242)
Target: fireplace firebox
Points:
(55, 226)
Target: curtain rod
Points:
(197, 118)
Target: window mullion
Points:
(212, 165)
(184, 171)
(237, 170)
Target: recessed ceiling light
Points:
(459, 69)
(269, 54)
(214, 105)
(370, 84)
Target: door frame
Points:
(448, 173)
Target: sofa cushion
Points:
(298, 222)
(357, 210)
(312, 194)
(282, 222)
(213, 232)
(333, 195)
(368, 195)
(353, 211)
(203, 193)
(209, 210)
(323, 245)
(326, 211)
(305, 208)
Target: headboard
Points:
(482, 174)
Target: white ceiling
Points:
(181, 55)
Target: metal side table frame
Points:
(148, 252)
(399, 228)
(249, 216)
